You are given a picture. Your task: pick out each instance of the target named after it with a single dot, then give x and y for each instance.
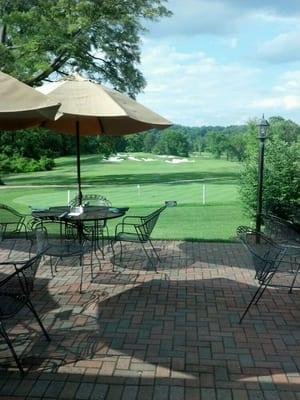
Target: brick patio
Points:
(137, 334)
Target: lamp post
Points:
(261, 135)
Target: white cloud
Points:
(198, 68)
(284, 47)
(222, 17)
(192, 17)
(283, 103)
(284, 95)
(192, 88)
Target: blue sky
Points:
(223, 62)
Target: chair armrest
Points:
(15, 263)
(291, 249)
(123, 225)
(8, 278)
(132, 217)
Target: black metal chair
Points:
(281, 230)
(285, 233)
(12, 225)
(138, 229)
(96, 232)
(15, 291)
(268, 258)
(62, 242)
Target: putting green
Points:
(205, 189)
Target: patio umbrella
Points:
(89, 108)
(21, 106)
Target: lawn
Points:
(143, 183)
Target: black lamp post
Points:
(261, 135)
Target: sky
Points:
(223, 62)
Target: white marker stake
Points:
(203, 195)
(139, 190)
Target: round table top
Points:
(90, 213)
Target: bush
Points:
(23, 164)
(281, 185)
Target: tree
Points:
(101, 37)
(150, 140)
(236, 146)
(281, 188)
(216, 143)
(135, 143)
(172, 143)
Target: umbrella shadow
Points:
(183, 255)
(191, 326)
(186, 329)
(23, 330)
(216, 254)
(134, 258)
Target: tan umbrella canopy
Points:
(21, 106)
(89, 108)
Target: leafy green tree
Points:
(236, 146)
(172, 143)
(216, 143)
(101, 37)
(281, 187)
(135, 143)
(150, 140)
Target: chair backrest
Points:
(9, 214)
(21, 282)
(148, 223)
(92, 200)
(49, 230)
(266, 254)
(281, 230)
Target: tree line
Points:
(35, 149)
(44, 40)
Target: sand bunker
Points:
(134, 158)
(179, 160)
(115, 159)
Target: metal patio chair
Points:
(15, 291)
(138, 229)
(91, 231)
(100, 232)
(281, 230)
(12, 225)
(268, 258)
(62, 242)
(285, 233)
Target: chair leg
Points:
(113, 253)
(294, 280)
(155, 252)
(51, 267)
(81, 273)
(31, 245)
(250, 304)
(100, 246)
(257, 296)
(121, 251)
(32, 309)
(264, 288)
(11, 249)
(148, 256)
(9, 343)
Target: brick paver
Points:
(137, 334)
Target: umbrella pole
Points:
(78, 162)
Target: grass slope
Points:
(143, 186)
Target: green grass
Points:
(144, 186)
